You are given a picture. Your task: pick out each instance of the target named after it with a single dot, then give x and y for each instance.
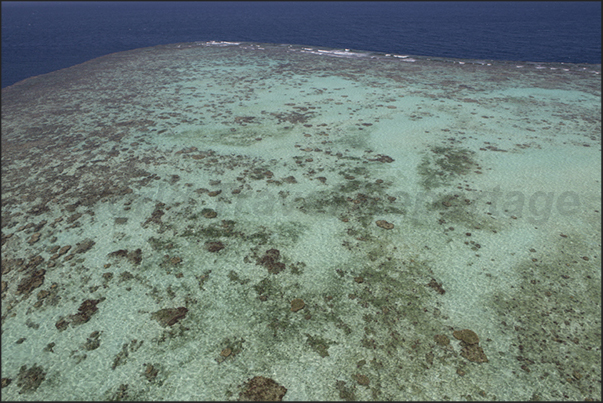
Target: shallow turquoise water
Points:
(407, 198)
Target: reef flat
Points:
(222, 221)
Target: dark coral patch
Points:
(436, 286)
(383, 158)
(384, 224)
(474, 353)
(85, 312)
(297, 304)
(84, 246)
(470, 348)
(466, 335)
(260, 388)
(31, 282)
(209, 213)
(270, 261)
(214, 246)
(169, 316)
(30, 379)
(135, 256)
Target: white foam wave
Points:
(221, 43)
(336, 53)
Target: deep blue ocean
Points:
(40, 37)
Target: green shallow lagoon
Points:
(165, 209)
